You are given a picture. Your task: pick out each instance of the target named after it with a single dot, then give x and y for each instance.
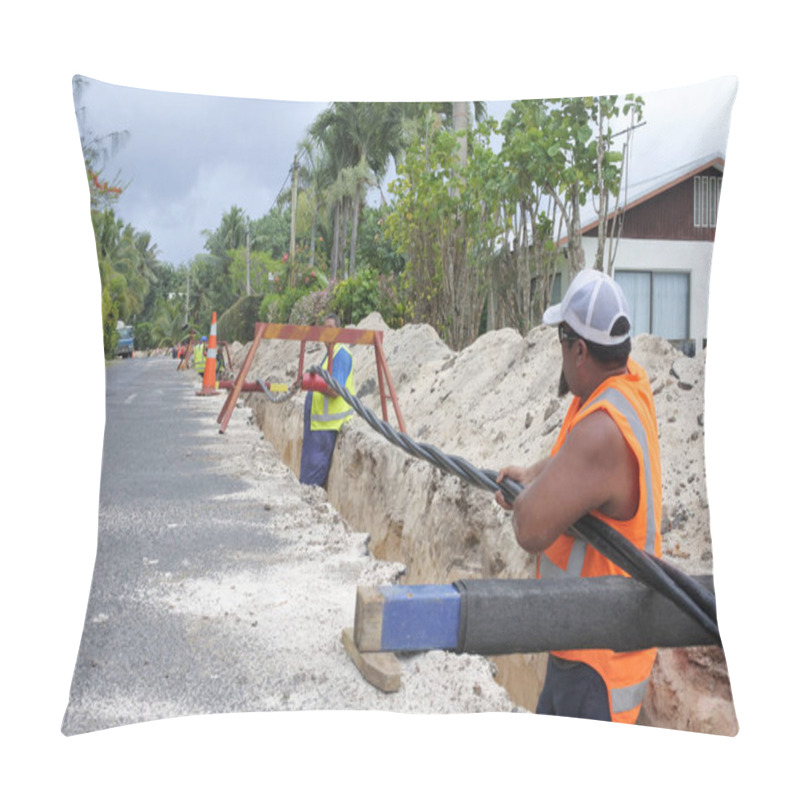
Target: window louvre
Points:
(706, 201)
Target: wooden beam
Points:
(407, 618)
(317, 333)
(382, 670)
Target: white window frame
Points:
(654, 274)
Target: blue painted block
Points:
(420, 617)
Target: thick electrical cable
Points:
(648, 569)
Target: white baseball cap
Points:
(591, 306)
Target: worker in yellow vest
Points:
(199, 353)
(605, 462)
(325, 412)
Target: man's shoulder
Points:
(596, 432)
(344, 351)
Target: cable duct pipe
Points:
(498, 617)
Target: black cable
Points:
(277, 397)
(685, 592)
(648, 570)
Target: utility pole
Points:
(294, 215)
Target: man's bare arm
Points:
(593, 470)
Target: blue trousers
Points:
(317, 452)
(573, 689)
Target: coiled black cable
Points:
(688, 594)
(277, 397)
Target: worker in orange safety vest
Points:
(605, 462)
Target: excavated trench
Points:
(454, 533)
(442, 530)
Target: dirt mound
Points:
(494, 403)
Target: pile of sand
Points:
(495, 403)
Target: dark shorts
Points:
(573, 689)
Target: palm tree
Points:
(230, 235)
(314, 171)
(115, 258)
(168, 322)
(361, 137)
(147, 253)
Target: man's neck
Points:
(601, 377)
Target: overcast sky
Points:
(189, 158)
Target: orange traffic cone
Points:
(210, 374)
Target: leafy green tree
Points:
(567, 144)
(167, 327)
(357, 297)
(559, 156)
(270, 233)
(118, 261)
(230, 235)
(102, 196)
(314, 171)
(263, 268)
(209, 289)
(167, 283)
(360, 137)
(445, 223)
(375, 248)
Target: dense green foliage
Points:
(465, 240)
(239, 321)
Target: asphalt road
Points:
(166, 508)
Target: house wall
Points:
(659, 235)
(669, 256)
(666, 215)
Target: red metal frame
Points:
(184, 362)
(313, 333)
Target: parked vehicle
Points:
(124, 340)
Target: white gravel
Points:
(288, 614)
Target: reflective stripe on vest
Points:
(326, 415)
(547, 569)
(626, 698)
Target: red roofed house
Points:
(663, 261)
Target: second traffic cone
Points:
(210, 374)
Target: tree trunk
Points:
(603, 196)
(460, 124)
(354, 235)
(335, 243)
(461, 282)
(293, 223)
(313, 244)
(343, 237)
(577, 258)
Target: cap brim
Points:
(552, 315)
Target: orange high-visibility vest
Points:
(628, 400)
